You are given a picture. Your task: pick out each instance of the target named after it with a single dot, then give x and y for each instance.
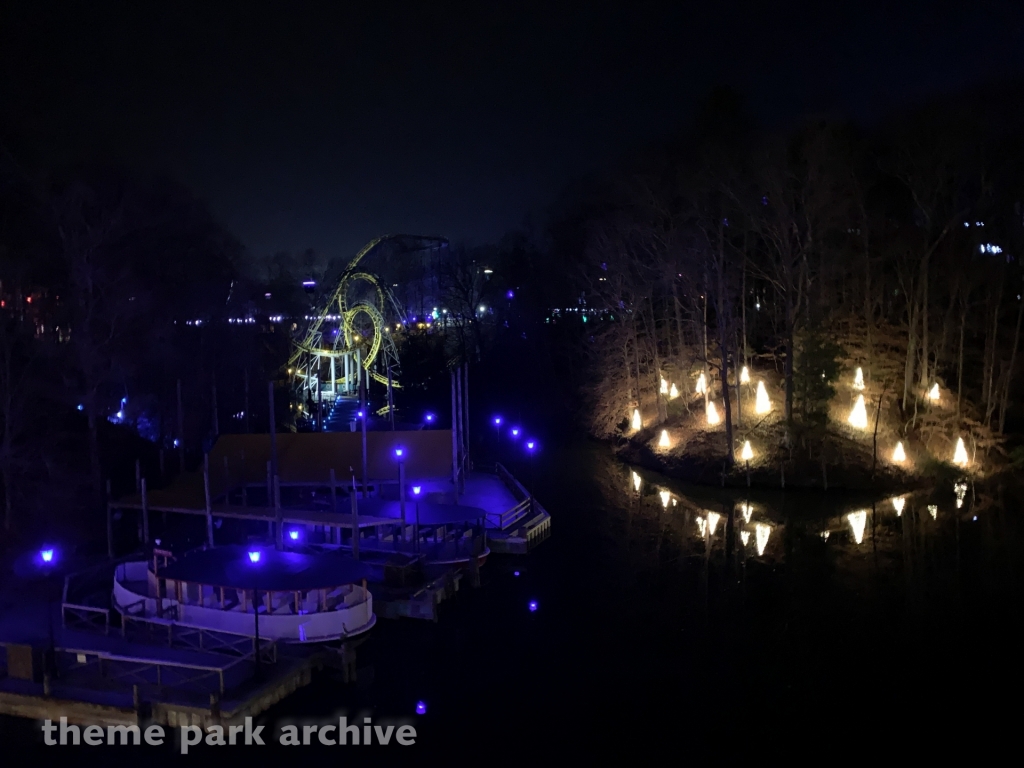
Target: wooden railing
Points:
(131, 670)
(87, 617)
(192, 637)
(509, 517)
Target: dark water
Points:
(653, 640)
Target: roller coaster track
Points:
(308, 352)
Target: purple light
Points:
(399, 452)
(359, 414)
(509, 295)
(308, 283)
(516, 573)
(421, 707)
(533, 606)
(497, 421)
(430, 417)
(416, 490)
(254, 557)
(515, 431)
(529, 445)
(293, 535)
(47, 555)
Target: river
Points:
(653, 632)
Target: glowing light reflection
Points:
(857, 522)
(898, 502)
(762, 532)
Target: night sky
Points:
(305, 127)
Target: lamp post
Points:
(47, 562)
(400, 455)
(530, 450)
(416, 527)
(254, 559)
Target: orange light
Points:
(28, 299)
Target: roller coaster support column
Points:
(363, 408)
(455, 442)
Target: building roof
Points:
(230, 566)
(429, 513)
(307, 458)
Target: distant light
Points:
(515, 573)
(702, 385)
(120, 414)
(416, 490)
(266, 295)
(497, 420)
(975, 517)
(529, 445)
(858, 379)
(293, 535)
(483, 308)
(533, 606)
(515, 431)
(177, 443)
(637, 421)
(359, 414)
(308, 283)
(399, 452)
(509, 295)
(47, 555)
(898, 454)
(663, 441)
(81, 407)
(254, 557)
(430, 417)
(421, 708)
(898, 502)
(124, 400)
(933, 393)
(488, 271)
(748, 452)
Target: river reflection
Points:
(842, 521)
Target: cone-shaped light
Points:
(663, 441)
(702, 385)
(637, 421)
(859, 414)
(745, 375)
(712, 414)
(960, 454)
(763, 404)
(858, 379)
(898, 454)
(747, 453)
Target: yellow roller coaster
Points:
(314, 359)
